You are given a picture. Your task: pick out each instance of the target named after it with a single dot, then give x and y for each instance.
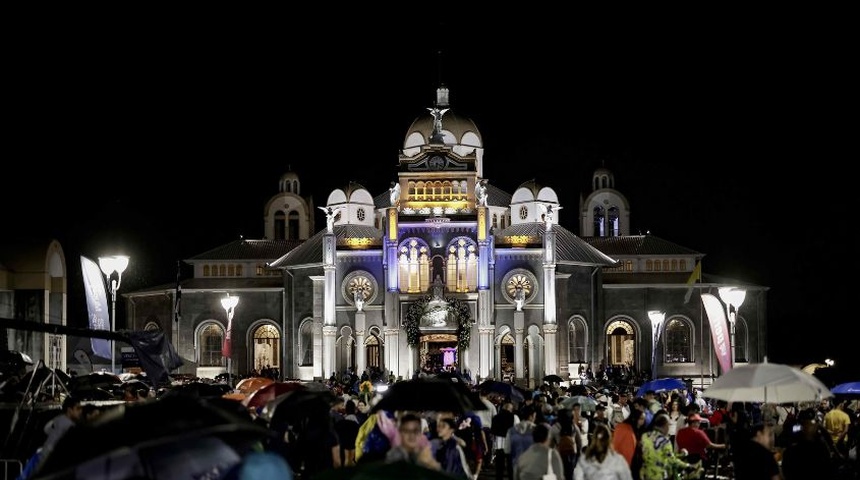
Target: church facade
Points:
(445, 270)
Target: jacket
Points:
(613, 467)
(532, 463)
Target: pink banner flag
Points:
(719, 330)
(227, 345)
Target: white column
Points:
(392, 350)
(360, 360)
(549, 350)
(485, 346)
(519, 330)
(328, 334)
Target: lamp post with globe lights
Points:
(115, 264)
(733, 298)
(657, 318)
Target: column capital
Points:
(329, 331)
(550, 328)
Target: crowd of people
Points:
(571, 433)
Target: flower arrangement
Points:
(365, 391)
(457, 310)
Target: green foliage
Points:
(457, 310)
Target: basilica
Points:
(446, 270)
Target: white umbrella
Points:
(768, 383)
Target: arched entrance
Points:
(621, 343)
(438, 352)
(266, 348)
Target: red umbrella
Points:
(252, 384)
(262, 396)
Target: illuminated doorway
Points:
(621, 343)
(439, 352)
(267, 345)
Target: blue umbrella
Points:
(850, 388)
(661, 385)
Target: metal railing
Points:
(11, 468)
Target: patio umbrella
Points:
(252, 384)
(587, 404)
(262, 396)
(768, 383)
(850, 389)
(502, 388)
(427, 394)
(661, 385)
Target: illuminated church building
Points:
(444, 269)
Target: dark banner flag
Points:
(156, 355)
(177, 299)
(97, 305)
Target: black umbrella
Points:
(502, 388)
(146, 432)
(427, 394)
(553, 379)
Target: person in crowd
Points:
(659, 460)
(600, 461)
(808, 455)
(539, 458)
(54, 430)
(502, 423)
(836, 422)
(448, 451)
(568, 442)
(519, 437)
(627, 434)
(695, 441)
(347, 431)
(486, 417)
(599, 418)
(674, 415)
(720, 414)
(581, 423)
(754, 457)
(620, 409)
(641, 404)
(653, 404)
(414, 446)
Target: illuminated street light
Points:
(733, 298)
(110, 265)
(657, 318)
(229, 303)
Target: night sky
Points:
(164, 141)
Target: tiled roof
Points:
(310, 253)
(637, 245)
(218, 283)
(569, 247)
(244, 249)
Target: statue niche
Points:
(436, 313)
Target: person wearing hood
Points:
(519, 437)
(600, 461)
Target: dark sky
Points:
(163, 141)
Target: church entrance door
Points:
(439, 352)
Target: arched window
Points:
(614, 225)
(678, 341)
(267, 347)
(280, 227)
(306, 343)
(599, 217)
(576, 341)
(209, 339)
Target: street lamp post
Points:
(229, 303)
(733, 298)
(110, 265)
(657, 318)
